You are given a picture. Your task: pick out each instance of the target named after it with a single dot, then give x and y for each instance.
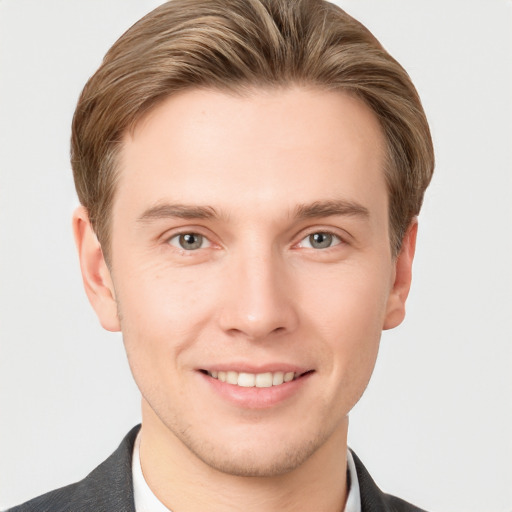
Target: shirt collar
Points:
(146, 501)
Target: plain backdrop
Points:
(435, 424)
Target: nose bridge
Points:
(259, 302)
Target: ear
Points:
(395, 312)
(95, 273)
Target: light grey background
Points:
(435, 425)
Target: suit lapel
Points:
(373, 499)
(109, 487)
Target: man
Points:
(250, 173)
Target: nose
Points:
(258, 302)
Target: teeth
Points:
(251, 380)
(264, 380)
(278, 378)
(232, 377)
(289, 376)
(246, 380)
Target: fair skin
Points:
(249, 236)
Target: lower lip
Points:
(256, 398)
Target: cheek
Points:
(347, 315)
(163, 312)
(350, 301)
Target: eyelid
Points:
(342, 236)
(188, 230)
(336, 241)
(178, 235)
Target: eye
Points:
(320, 240)
(189, 241)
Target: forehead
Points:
(268, 148)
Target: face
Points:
(251, 271)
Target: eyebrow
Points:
(301, 212)
(330, 208)
(180, 211)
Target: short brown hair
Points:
(233, 44)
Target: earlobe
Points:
(95, 272)
(395, 312)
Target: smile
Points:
(254, 380)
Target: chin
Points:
(257, 456)
(256, 462)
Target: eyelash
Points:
(178, 236)
(331, 237)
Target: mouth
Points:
(255, 380)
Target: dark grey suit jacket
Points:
(109, 488)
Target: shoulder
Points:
(109, 487)
(373, 499)
(398, 505)
(59, 500)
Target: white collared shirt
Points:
(146, 501)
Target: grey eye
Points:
(320, 240)
(189, 241)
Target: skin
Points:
(256, 293)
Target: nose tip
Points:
(257, 327)
(260, 304)
(262, 322)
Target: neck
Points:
(184, 483)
